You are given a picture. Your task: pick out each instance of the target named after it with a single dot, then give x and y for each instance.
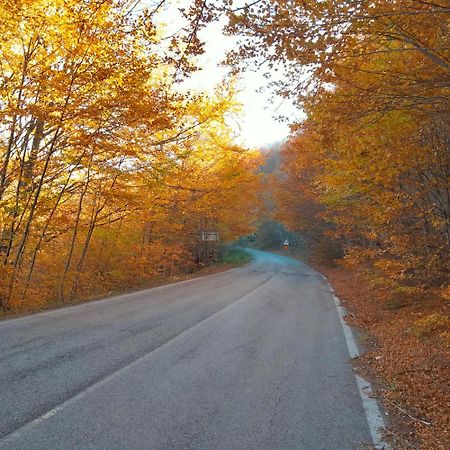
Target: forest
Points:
(104, 155)
(371, 162)
(111, 171)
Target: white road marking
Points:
(115, 297)
(28, 426)
(374, 416)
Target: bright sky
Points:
(258, 125)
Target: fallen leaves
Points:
(411, 370)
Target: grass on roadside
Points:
(236, 257)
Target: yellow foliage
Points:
(433, 324)
(109, 172)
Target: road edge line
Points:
(27, 426)
(113, 297)
(375, 418)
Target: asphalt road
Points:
(253, 358)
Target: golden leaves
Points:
(108, 173)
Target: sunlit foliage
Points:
(371, 164)
(108, 173)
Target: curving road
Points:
(252, 358)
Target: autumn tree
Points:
(373, 79)
(97, 143)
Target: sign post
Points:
(210, 240)
(210, 236)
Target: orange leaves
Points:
(109, 171)
(370, 164)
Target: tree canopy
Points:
(109, 171)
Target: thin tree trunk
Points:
(87, 241)
(72, 243)
(84, 252)
(10, 235)
(47, 223)
(22, 245)
(12, 135)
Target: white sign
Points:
(210, 236)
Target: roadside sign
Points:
(210, 236)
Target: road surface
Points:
(252, 358)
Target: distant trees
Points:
(107, 173)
